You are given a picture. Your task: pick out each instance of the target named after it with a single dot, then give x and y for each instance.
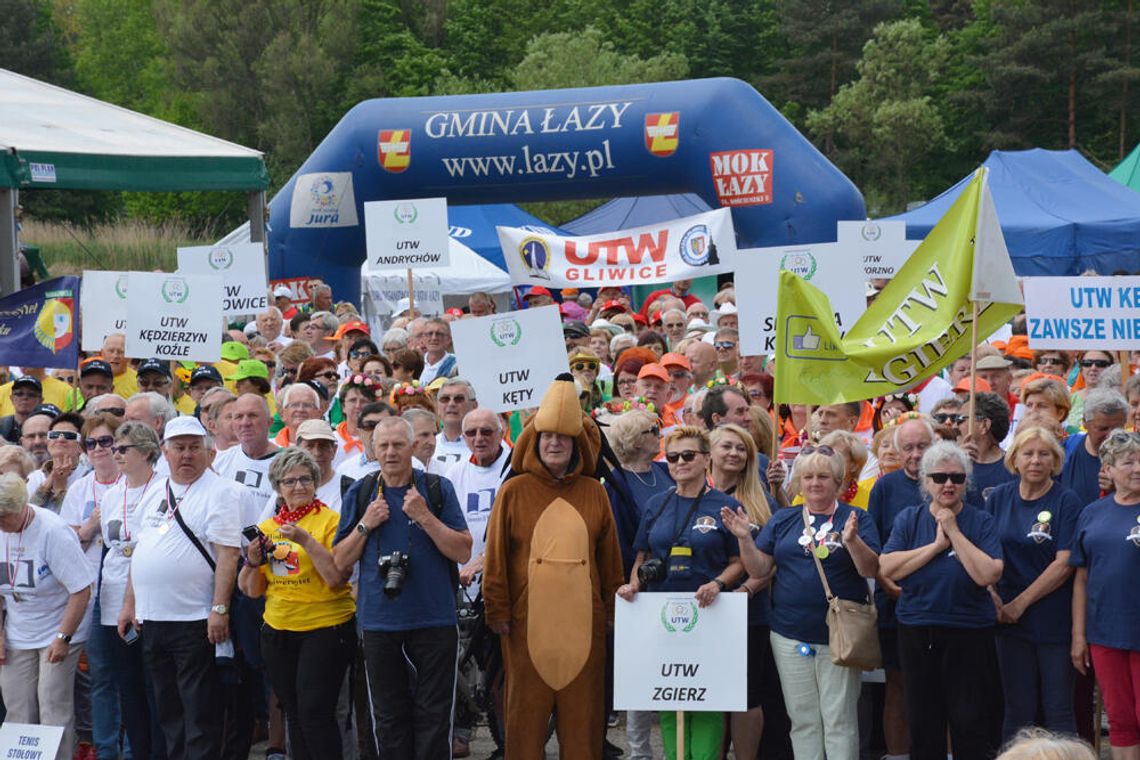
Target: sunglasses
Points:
(584, 366)
(304, 480)
(1098, 363)
(287, 372)
(360, 354)
(453, 399)
(67, 435)
(940, 478)
(113, 410)
(474, 432)
(102, 442)
(724, 345)
(330, 375)
(685, 456)
(122, 448)
(827, 451)
(1050, 360)
(945, 419)
(369, 424)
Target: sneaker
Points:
(613, 720)
(611, 751)
(460, 747)
(275, 754)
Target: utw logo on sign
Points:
(742, 177)
(662, 132)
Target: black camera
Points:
(394, 570)
(649, 572)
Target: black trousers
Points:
(951, 679)
(180, 661)
(306, 669)
(411, 677)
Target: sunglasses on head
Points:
(826, 450)
(685, 456)
(940, 478)
(584, 366)
(66, 435)
(1099, 363)
(102, 442)
(943, 418)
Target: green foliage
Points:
(30, 42)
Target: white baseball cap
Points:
(184, 426)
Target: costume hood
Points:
(559, 412)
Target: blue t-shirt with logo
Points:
(1107, 543)
(941, 592)
(893, 493)
(1031, 533)
(799, 604)
(1080, 471)
(703, 546)
(985, 478)
(428, 598)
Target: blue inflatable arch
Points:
(717, 138)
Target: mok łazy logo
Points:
(394, 149)
(662, 133)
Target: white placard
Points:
(881, 246)
(825, 265)
(324, 199)
(1081, 313)
(174, 316)
(670, 654)
(103, 307)
(511, 359)
(242, 268)
(406, 234)
(695, 246)
(386, 290)
(23, 740)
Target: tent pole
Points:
(258, 216)
(973, 368)
(9, 250)
(411, 294)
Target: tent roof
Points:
(1060, 214)
(474, 226)
(52, 137)
(1127, 172)
(624, 213)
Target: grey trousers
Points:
(41, 692)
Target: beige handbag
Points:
(852, 627)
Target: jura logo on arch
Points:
(323, 199)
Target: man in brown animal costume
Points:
(552, 568)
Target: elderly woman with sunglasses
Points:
(1092, 364)
(683, 547)
(81, 510)
(944, 555)
(45, 591)
(1106, 607)
(821, 697)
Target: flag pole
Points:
(1125, 371)
(680, 754)
(411, 294)
(973, 367)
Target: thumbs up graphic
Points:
(809, 341)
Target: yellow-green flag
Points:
(918, 325)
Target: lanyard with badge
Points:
(681, 555)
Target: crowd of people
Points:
(324, 542)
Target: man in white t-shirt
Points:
(182, 577)
(248, 462)
(358, 465)
(319, 439)
(455, 399)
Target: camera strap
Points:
(186, 528)
(689, 516)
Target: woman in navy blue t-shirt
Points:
(1106, 604)
(1035, 517)
(821, 696)
(943, 555)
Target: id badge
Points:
(680, 561)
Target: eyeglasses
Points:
(271, 366)
(286, 371)
(359, 354)
(1050, 360)
(102, 442)
(434, 334)
(67, 435)
(1098, 363)
(826, 450)
(685, 456)
(584, 366)
(653, 431)
(627, 381)
(756, 393)
(122, 448)
(945, 419)
(369, 424)
(453, 399)
(330, 375)
(304, 481)
(724, 345)
(474, 432)
(940, 478)
(303, 405)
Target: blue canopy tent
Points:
(474, 226)
(1060, 214)
(623, 213)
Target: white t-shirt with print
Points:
(233, 464)
(475, 487)
(356, 467)
(82, 498)
(119, 524)
(171, 578)
(44, 567)
(447, 453)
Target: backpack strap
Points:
(435, 503)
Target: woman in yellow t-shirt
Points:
(308, 640)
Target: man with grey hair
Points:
(480, 304)
(110, 403)
(150, 408)
(673, 325)
(438, 359)
(321, 325)
(405, 530)
(248, 462)
(477, 479)
(1105, 410)
(299, 402)
(270, 324)
(455, 399)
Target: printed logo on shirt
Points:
(1134, 536)
(284, 559)
(705, 524)
(1040, 532)
(250, 478)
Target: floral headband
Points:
(620, 406)
(719, 380)
(906, 417)
(910, 399)
(364, 384)
(410, 388)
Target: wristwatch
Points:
(720, 584)
(64, 637)
(221, 609)
(363, 529)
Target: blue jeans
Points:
(104, 690)
(1035, 672)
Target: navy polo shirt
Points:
(890, 495)
(799, 604)
(1079, 473)
(428, 598)
(985, 478)
(711, 544)
(941, 592)
(1107, 543)
(1031, 533)
(640, 488)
